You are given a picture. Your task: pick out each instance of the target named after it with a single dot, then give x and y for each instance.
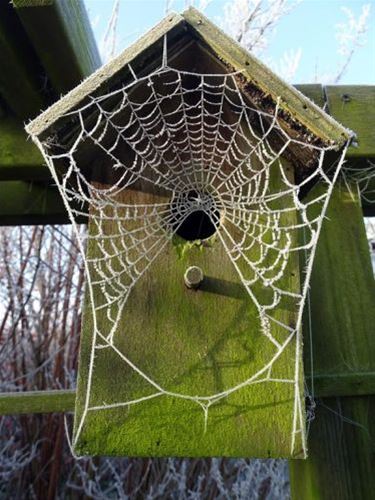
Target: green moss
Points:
(32, 3)
(341, 450)
(195, 342)
(183, 247)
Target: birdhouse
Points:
(191, 161)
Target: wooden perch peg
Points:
(193, 277)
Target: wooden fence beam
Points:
(341, 454)
(16, 403)
(342, 293)
(61, 34)
(30, 203)
(21, 76)
(19, 157)
(344, 384)
(341, 441)
(313, 91)
(353, 105)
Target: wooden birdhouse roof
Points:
(196, 44)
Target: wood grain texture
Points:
(36, 402)
(191, 342)
(21, 80)
(341, 459)
(342, 296)
(342, 436)
(19, 158)
(353, 106)
(30, 203)
(61, 34)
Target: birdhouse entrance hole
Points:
(202, 219)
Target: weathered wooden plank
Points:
(343, 384)
(62, 36)
(354, 106)
(30, 203)
(21, 76)
(28, 165)
(20, 159)
(43, 401)
(341, 459)
(16, 403)
(342, 293)
(313, 91)
(341, 452)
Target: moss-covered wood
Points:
(36, 402)
(19, 158)
(341, 452)
(354, 107)
(30, 203)
(21, 76)
(197, 342)
(341, 441)
(342, 296)
(314, 91)
(60, 32)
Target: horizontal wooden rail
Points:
(46, 48)
(21, 74)
(16, 403)
(344, 384)
(60, 401)
(30, 203)
(67, 49)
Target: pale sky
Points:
(309, 27)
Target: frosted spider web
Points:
(194, 138)
(364, 180)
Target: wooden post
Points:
(341, 442)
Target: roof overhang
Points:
(195, 43)
(259, 81)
